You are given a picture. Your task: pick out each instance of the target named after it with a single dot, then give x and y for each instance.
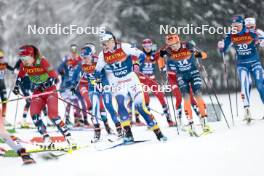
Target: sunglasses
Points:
(25, 58)
(147, 46)
(87, 57)
(175, 44)
(73, 49)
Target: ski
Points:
(125, 144)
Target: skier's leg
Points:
(185, 91)
(245, 82)
(13, 145)
(84, 94)
(161, 97)
(95, 100)
(65, 95)
(107, 99)
(176, 92)
(124, 117)
(52, 103)
(37, 104)
(26, 93)
(135, 91)
(194, 103)
(4, 101)
(76, 111)
(84, 109)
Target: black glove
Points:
(16, 90)
(42, 86)
(73, 89)
(17, 84)
(50, 82)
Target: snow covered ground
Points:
(238, 151)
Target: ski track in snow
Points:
(238, 151)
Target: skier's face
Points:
(147, 48)
(176, 46)
(108, 45)
(251, 26)
(237, 27)
(27, 60)
(87, 60)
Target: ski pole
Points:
(214, 91)
(78, 108)
(206, 85)
(33, 96)
(236, 88)
(227, 82)
(211, 86)
(171, 98)
(14, 125)
(12, 87)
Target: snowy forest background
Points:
(131, 21)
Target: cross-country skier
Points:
(66, 70)
(245, 42)
(117, 57)
(21, 151)
(180, 58)
(43, 79)
(94, 94)
(3, 67)
(147, 65)
(25, 88)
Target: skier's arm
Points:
(224, 45)
(21, 74)
(53, 76)
(261, 37)
(130, 50)
(10, 68)
(160, 55)
(99, 66)
(51, 72)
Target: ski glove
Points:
(17, 84)
(73, 89)
(16, 90)
(42, 86)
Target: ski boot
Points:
(190, 129)
(86, 123)
(77, 122)
(24, 124)
(119, 130)
(205, 126)
(67, 121)
(138, 121)
(247, 115)
(97, 133)
(25, 156)
(196, 110)
(128, 136)
(107, 127)
(47, 142)
(72, 144)
(170, 122)
(160, 136)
